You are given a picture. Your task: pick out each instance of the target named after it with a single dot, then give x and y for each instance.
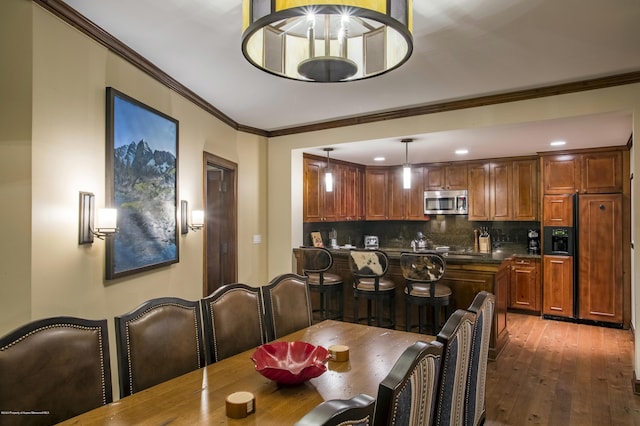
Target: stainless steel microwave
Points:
(445, 202)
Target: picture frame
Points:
(141, 183)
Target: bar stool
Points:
(368, 268)
(316, 262)
(421, 272)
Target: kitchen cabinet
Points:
(445, 176)
(478, 191)
(503, 190)
(598, 172)
(525, 190)
(386, 199)
(524, 284)
(558, 286)
(344, 203)
(558, 210)
(376, 183)
(600, 258)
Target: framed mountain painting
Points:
(141, 177)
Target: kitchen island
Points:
(467, 274)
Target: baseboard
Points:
(635, 383)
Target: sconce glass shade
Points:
(197, 218)
(321, 41)
(107, 220)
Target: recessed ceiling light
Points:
(557, 143)
(462, 151)
(379, 159)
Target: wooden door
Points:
(500, 186)
(376, 194)
(602, 172)
(561, 174)
(478, 191)
(557, 286)
(600, 257)
(525, 285)
(525, 190)
(456, 176)
(558, 210)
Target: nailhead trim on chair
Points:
(65, 325)
(144, 313)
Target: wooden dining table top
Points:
(199, 397)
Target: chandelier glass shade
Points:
(327, 40)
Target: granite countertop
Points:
(458, 256)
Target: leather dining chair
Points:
(316, 262)
(369, 268)
(482, 306)
(341, 412)
(421, 272)
(455, 337)
(407, 395)
(56, 366)
(287, 305)
(233, 320)
(157, 341)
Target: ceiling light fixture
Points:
(557, 143)
(328, 177)
(379, 159)
(406, 169)
(317, 40)
(462, 151)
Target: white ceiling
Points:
(462, 49)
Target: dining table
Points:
(198, 397)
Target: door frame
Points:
(232, 247)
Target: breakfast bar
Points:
(467, 274)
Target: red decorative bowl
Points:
(290, 363)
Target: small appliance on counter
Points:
(371, 242)
(533, 241)
(333, 239)
(421, 242)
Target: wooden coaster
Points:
(240, 405)
(339, 353)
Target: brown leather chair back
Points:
(159, 340)
(287, 305)
(233, 320)
(56, 368)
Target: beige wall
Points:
(285, 209)
(53, 146)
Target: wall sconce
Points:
(197, 218)
(106, 223)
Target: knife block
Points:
(485, 244)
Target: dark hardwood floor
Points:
(562, 373)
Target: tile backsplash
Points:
(455, 231)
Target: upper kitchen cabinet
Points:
(445, 176)
(503, 190)
(346, 200)
(592, 172)
(525, 190)
(386, 199)
(405, 204)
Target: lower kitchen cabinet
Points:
(558, 286)
(524, 284)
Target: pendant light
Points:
(406, 169)
(328, 177)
